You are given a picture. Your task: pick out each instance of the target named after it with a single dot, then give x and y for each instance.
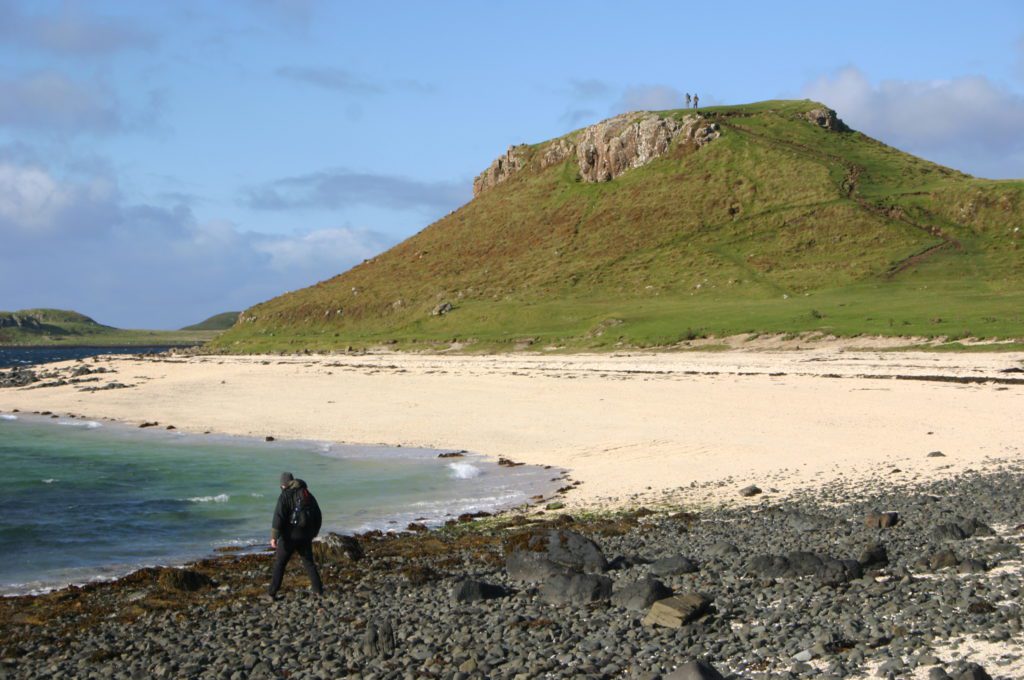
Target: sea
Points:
(28, 356)
(89, 500)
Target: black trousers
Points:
(285, 548)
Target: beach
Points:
(781, 513)
(632, 428)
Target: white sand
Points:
(629, 427)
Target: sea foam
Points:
(464, 470)
(87, 424)
(219, 498)
(8, 416)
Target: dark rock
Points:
(695, 670)
(470, 516)
(881, 520)
(379, 639)
(835, 572)
(936, 454)
(524, 565)
(641, 595)
(575, 551)
(569, 588)
(673, 566)
(874, 556)
(678, 610)
(452, 454)
(338, 548)
(416, 527)
(749, 491)
(769, 566)
(269, 438)
(974, 672)
(803, 563)
(150, 424)
(948, 532)
(470, 590)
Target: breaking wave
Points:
(464, 470)
(219, 498)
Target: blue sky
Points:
(164, 161)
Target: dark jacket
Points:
(286, 502)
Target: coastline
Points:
(830, 437)
(639, 428)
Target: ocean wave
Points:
(464, 470)
(8, 416)
(87, 424)
(219, 498)
(49, 480)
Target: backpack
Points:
(305, 518)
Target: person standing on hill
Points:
(687, 100)
(695, 100)
(297, 521)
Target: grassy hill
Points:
(37, 327)
(778, 225)
(217, 322)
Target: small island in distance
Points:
(59, 327)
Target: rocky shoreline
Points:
(918, 582)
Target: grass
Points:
(778, 226)
(217, 322)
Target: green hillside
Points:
(49, 327)
(778, 225)
(217, 322)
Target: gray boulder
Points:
(379, 639)
(695, 670)
(533, 567)
(835, 572)
(677, 611)
(571, 588)
(874, 556)
(641, 595)
(470, 590)
(575, 551)
(673, 566)
(974, 672)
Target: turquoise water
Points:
(85, 500)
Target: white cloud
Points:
(76, 243)
(33, 201)
(969, 123)
(319, 250)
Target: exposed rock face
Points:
(610, 148)
(827, 119)
(20, 321)
(606, 150)
(501, 169)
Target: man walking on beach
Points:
(296, 523)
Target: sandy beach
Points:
(691, 427)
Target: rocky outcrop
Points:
(501, 169)
(25, 321)
(631, 140)
(606, 150)
(827, 119)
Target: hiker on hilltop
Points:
(687, 100)
(695, 100)
(296, 523)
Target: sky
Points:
(161, 162)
